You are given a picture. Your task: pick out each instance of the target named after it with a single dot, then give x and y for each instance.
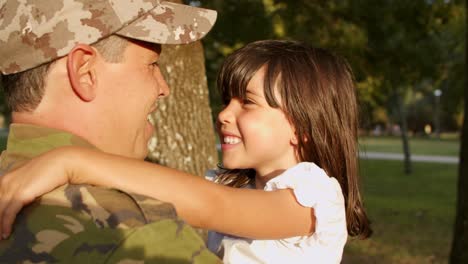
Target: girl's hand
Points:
(24, 184)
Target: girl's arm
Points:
(242, 212)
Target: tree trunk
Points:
(459, 253)
(184, 135)
(404, 134)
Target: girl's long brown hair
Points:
(319, 98)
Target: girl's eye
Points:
(247, 101)
(155, 64)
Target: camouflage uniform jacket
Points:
(86, 224)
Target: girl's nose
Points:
(226, 116)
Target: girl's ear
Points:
(81, 73)
(294, 140)
(294, 136)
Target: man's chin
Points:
(142, 155)
(139, 153)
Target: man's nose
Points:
(163, 87)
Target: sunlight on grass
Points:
(418, 146)
(412, 215)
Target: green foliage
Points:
(404, 49)
(451, 40)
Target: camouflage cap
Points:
(33, 32)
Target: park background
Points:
(408, 57)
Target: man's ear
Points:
(80, 66)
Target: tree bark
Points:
(459, 253)
(184, 133)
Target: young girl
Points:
(289, 127)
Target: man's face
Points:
(128, 93)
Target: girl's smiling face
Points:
(255, 135)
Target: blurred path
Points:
(398, 156)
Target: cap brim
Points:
(170, 23)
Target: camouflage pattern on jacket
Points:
(86, 224)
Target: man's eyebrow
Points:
(150, 45)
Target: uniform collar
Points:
(31, 140)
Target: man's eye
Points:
(155, 64)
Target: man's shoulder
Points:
(41, 231)
(109, 207)
(64, 237)
(86, 223)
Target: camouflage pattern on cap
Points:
(33, 32)
(171, 28)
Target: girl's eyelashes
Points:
(247, 101)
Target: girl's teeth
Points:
(231, 140)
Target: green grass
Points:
(418, 146)
(412, 215)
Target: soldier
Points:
(84, 72)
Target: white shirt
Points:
(312, 188)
